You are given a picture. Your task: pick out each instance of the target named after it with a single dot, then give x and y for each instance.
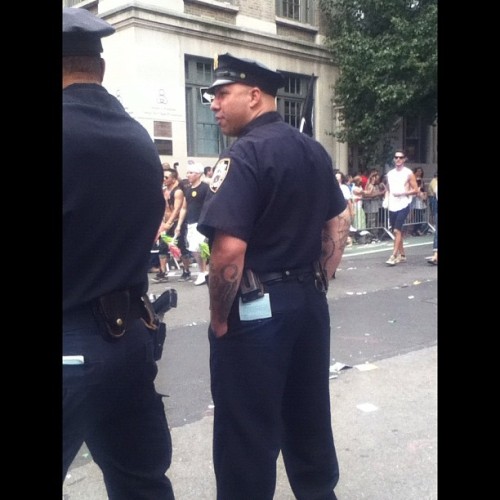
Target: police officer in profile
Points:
(112, 208)
(277, 225)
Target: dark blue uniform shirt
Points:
(273, 188)
(112, 196)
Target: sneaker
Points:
(392, 261)
(185, 276)
(160, 278)
(432, 261)
(200, 280)
(401, 258)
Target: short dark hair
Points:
(171, 171)
(83, 64)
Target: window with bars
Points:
(291, 98)
(414, 139)
(301, 11)
(203, 134)
(204, 137)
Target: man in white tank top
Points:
(401, 186)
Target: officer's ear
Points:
(256, 95)
(103, 69)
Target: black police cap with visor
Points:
(230, 69)
(82, 32)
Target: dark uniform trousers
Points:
(270, 387)
(111, 404)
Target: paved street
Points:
(384, 402)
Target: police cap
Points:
(230, 69)
(82, 32)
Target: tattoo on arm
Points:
(223, 285)
(343, 230)
(334, 239)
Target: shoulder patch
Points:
(220, 171)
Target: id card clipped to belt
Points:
(256, 309)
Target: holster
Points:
(157, 328)
(320, 277)
(251, 287)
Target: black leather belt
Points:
(296, 273)
(86, 315)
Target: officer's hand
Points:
(219, 329)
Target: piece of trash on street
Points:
(336, 368)
(411, 296)
(350, 293)
(392, 321)
(364, 367)
(366, 407)
(417, 282)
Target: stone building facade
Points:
(161, 58)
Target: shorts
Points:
(397, 219)
(194, 238)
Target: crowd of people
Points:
(365, 193)
(178, 238)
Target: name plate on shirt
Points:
(256, 309)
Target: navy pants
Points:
(270, 387)
(111, 404)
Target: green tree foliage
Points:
(386, 51)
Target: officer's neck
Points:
(70, 79)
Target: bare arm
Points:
(369, 192)
(182, 216)
(227, 258)
(412, 183)
(334, 238)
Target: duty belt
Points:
(297, 273)
(113, 313)
(314, 270)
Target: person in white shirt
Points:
(401, 187)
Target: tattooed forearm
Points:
(342, 229)
(334, 239)
(223, 285)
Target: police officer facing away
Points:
(112, 208)
(277, 225)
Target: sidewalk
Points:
(385, 428)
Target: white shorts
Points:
(194, 238)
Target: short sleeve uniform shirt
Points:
(274, 188)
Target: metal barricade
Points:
(378, 222)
